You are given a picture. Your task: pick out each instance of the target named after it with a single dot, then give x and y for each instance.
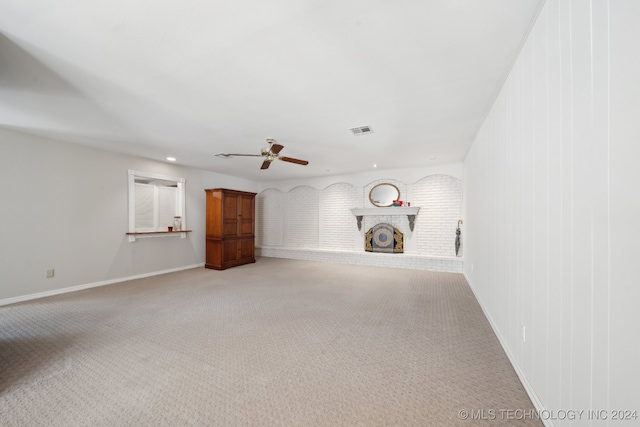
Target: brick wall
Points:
(440, 201)
(412, 262)
(306, 223)
(367, 189)
(303, 218)
(270, 218)
(337, 223)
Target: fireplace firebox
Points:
(384, 238)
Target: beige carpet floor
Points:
(276, 343)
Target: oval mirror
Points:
(383, 195)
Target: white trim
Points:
(385, 211)
(161, 234)
(523, 379)
(155, 176)
(53, 292)
(181, 201)
(131, 182)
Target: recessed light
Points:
(375, 166)
(171, 159)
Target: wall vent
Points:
(362, 130)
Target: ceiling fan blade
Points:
(292, 160)
(265, 164)
(276, 148)
(246, 155)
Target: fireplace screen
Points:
(384, 238)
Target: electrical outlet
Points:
(524, 333)
(50, 273)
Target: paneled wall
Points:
(321, 221)
(549, 200)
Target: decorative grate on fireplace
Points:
(384, 238)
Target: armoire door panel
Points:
(230, 251)
(247, 208)
(230, 228)
(246, 248)
(230, 208)
(246, 228)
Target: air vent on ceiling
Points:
(362, 130)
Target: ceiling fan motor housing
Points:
(270, 153)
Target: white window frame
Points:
(181, 210)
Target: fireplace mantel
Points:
(410, 212)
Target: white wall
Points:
(316, 217)
(407, 175)
(440, 198)
(65, 208)
(551, 209)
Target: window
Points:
(154, 201)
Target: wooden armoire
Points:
(230, 228)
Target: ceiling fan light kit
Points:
(270, 153)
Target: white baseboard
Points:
(525, 383)
(22, 298)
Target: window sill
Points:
(133, 235)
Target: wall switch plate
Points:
(471, 267)
(50, 273)
(524, 333)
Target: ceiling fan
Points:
(270, 153)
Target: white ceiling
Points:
(191, 78)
